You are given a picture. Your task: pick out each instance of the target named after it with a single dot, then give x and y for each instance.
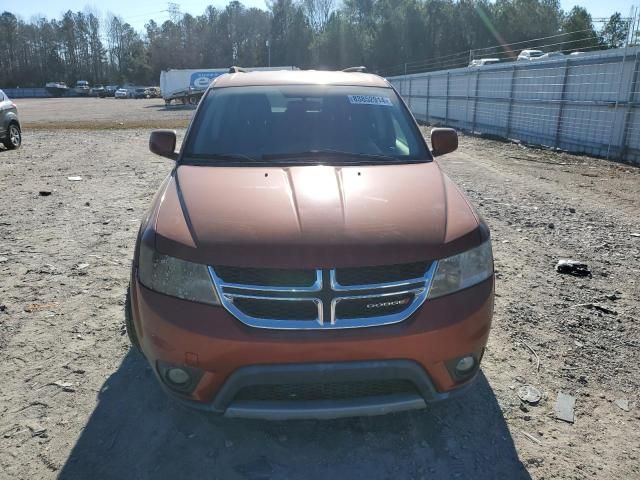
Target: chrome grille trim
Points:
(326, 297)
(341, 288)
(316, 287)
(280, 324)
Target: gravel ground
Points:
(76, 403)
(100, 113)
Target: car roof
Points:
(299, 77)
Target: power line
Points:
(503, 46)
(457, 60)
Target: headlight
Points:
(175, 277)
(462, 270)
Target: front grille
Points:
(381, 274)
(323, 299)
(283, 309)
(326, 391)
(269, 277)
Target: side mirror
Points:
(163, 143)
(443, 140)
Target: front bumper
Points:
(225, 403)
(232, 355)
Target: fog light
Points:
(178, 376)
(465, 365)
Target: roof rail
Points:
(235, 69)
(361, 69)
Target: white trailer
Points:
(188, 85)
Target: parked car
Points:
(97, 91)
(82, 88)
(307, 257)
(56, 89)
(550, 56)
(109, 91)
(122, 93)
(153, 92)
(10, 132)
(140, 93)
(530, 54)
(479, 62)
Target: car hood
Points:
(314, 216)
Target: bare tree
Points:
(318, 13)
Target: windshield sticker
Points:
(369, 100)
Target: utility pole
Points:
(269, 51)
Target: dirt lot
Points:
(75, 403)
(103, 113)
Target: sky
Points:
(137, 12)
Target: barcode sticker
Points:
(369, 100)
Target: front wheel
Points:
(13, 139)
(128, 322)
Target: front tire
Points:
(128, 322)
(13, 139)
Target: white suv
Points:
(530, 54)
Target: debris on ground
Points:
(81, 268)
(529, 394)
(46, 269)
(44, 193)
(635, 234)
(531, 437)
(564, 407)
(598, 307)
(36, 429)
(74, 179)
(573, 267)
(39, 307)
(623, 403)
(528, 347)
(66, 386)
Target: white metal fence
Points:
(580, 103)
(25, 92)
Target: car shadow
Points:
(137, 432)
(173, 106)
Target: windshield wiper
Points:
(224, 157)
(330, 153)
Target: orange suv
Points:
(306, 257)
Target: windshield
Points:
(299, 122)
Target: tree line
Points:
(380, 34)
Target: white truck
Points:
(187, 86)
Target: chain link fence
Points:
(584, 103)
